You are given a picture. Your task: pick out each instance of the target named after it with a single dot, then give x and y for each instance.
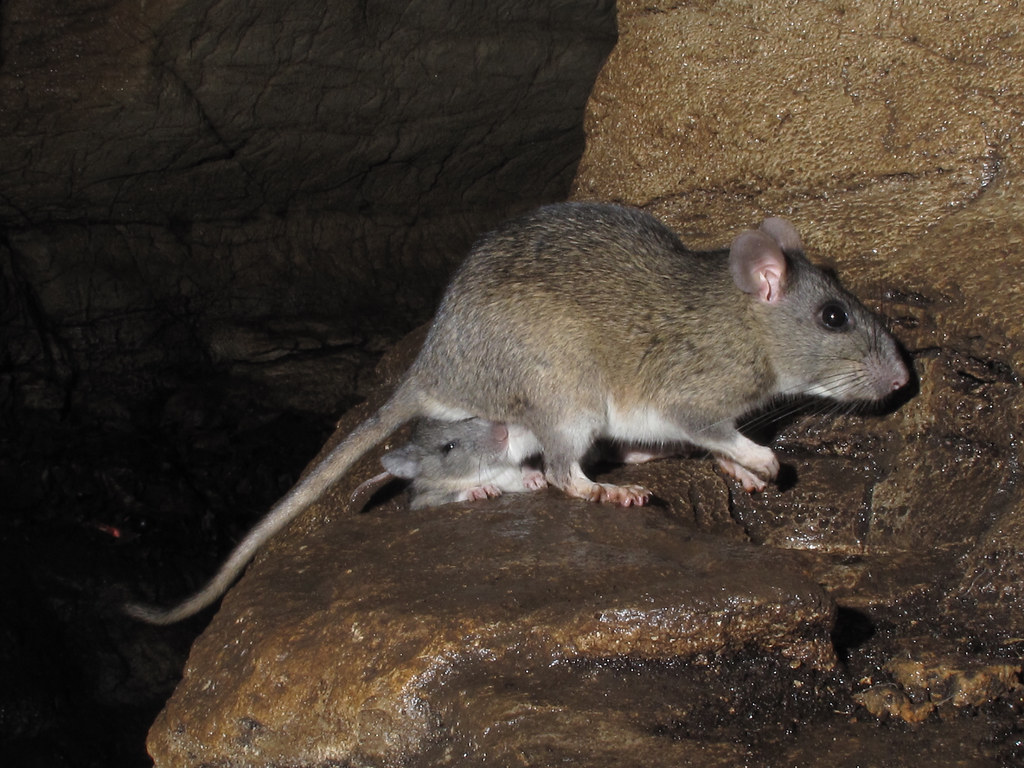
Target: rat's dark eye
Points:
(448, 447)
(834, 316)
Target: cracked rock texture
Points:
(181, 170)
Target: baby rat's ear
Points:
(758, 265)
(783, 233)
(401, 463)
(499, 432)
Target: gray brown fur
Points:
(580, 321)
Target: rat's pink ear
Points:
(783, 233)
(499, 432)
(758, 266)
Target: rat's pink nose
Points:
(901, 378)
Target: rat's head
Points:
(444, 458)
(821, 339)
(452, 450)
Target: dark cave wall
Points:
(311, 170)
(213, 215)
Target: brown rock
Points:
(360, 642)
(890, 137)
(886, 701)
(954, 680)
(929, 675)
(870, 123)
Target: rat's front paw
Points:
(758, 467)
(533, 480)
(481, 492)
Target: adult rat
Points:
(586, 320)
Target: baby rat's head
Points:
(445, 459)
(821, 340)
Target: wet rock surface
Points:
(537, 629)
(926, 677)
(402, 636)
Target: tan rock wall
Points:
(891, 135)
(866, 122)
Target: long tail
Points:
(399, 409)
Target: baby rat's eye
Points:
(448, 447)
(834, 316)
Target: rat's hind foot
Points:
(624, 495)
(569, 476)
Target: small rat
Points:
(465, 460)
(473, 459)
(582, 321)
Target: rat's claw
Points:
(481, 492)
(751, 482)
(624, 495)
(534, 480)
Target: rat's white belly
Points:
(642, 424)
(522, 443)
